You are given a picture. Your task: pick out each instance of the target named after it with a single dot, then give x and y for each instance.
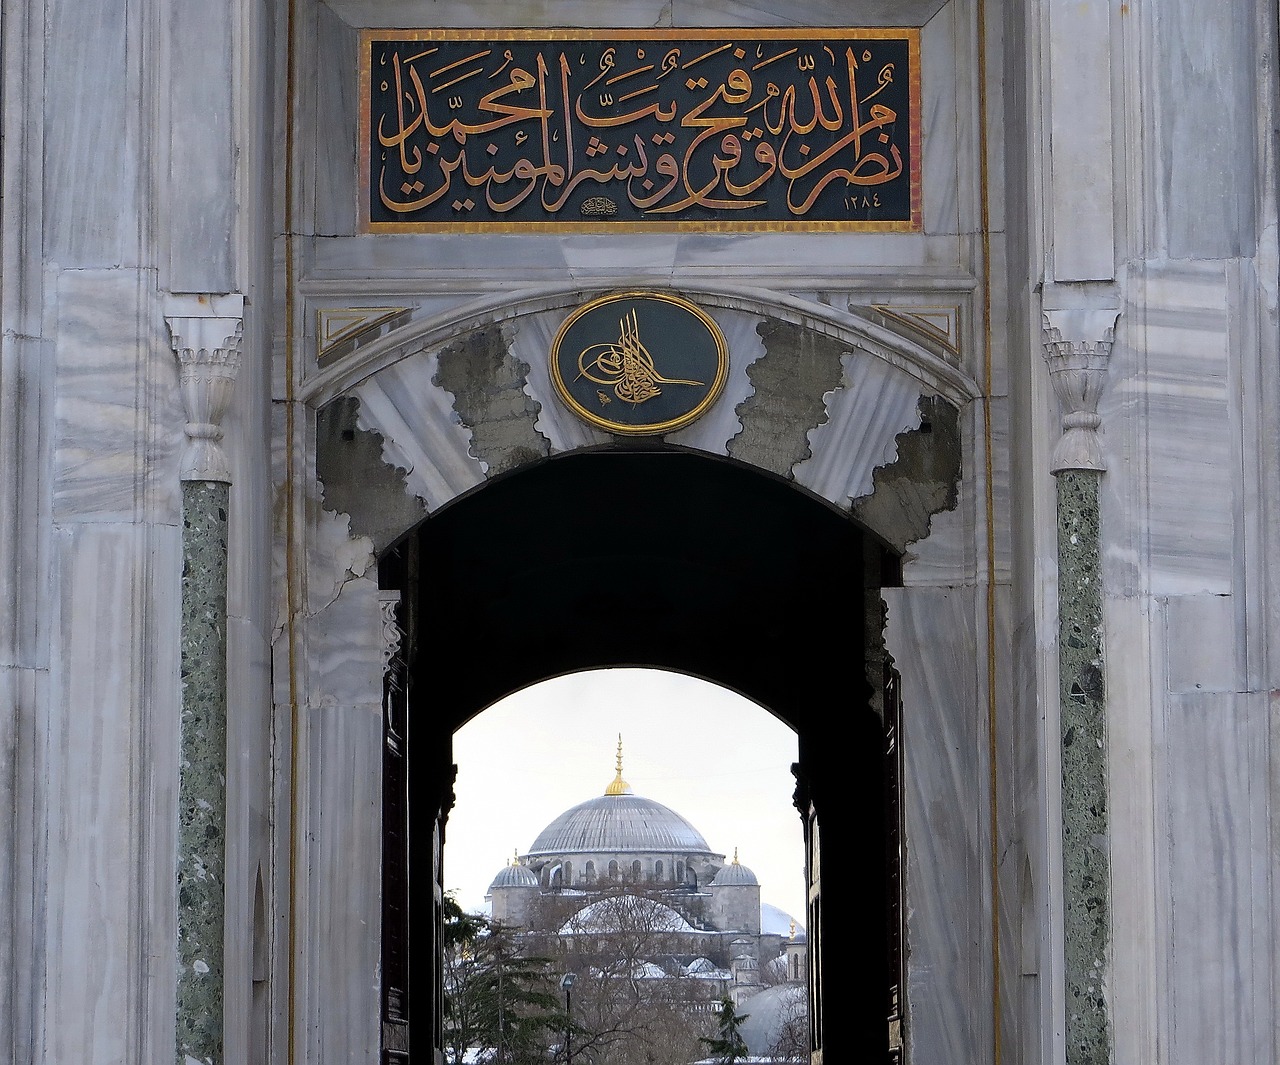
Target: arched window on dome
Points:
(590, 872)
(657, 870)
(568, 874)
(637, 871)
(614, 872)
(679, 872)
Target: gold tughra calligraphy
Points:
(625, 365)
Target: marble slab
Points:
(114, 688)
(1217, 845)
(873, 405)
(1168, 436)
(115, 458)
(931, 634)
(421, 433)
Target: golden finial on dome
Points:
(735, 855)
(619, 786)
(793, 928)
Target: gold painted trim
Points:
(358, 320)
(912, 317)
(651, 428)
(911, 34)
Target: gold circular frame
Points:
(697, 317)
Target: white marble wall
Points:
(90, 427)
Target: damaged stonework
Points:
(799, 368)
(487, 382)
(921, 483)
(356, 479)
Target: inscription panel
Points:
(476, 130)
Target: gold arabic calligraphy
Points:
(780, 128)
(625, 366)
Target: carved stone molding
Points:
(205, 332)
(1077, 347)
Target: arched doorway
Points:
(654, 556)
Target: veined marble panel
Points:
(343, 911)
(248, 833)
(942, 160)
(1206, 212)
(371, 262)
(634, 13)
(1170, 373)
(344, 647)
(420, 431)
(114, 672)
(92, 111)
(1220, 868)
(334, 101)
(1200, 643)
(932, 635)
(118, 419)
(874, 403)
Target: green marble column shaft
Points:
(202, 773)
(1085, 848)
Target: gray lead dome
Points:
(618, 823)
(515, 876)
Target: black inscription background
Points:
(757, 130)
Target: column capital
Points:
(1077, 347)
(205, 332)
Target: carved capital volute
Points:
(205, 332)
(1077, 347)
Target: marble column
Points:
(1077, 346)
(205, 332)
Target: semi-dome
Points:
(618, 821)
(625, 913)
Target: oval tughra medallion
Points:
(639, 362)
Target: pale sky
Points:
(717, 759)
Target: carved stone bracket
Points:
(388, 602)
(1077, 346)
(205, 332)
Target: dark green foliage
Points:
(728, 1045)
(495, 998)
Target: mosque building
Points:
(622, 859)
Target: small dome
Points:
(735, 875)
(517, 876)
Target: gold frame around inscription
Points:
(911, 34)
(652, 428)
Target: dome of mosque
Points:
(618, 821)
(769, 1013)
(515, 876)
(735, 875)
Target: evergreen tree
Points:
(495, 998)
(728, 1046)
